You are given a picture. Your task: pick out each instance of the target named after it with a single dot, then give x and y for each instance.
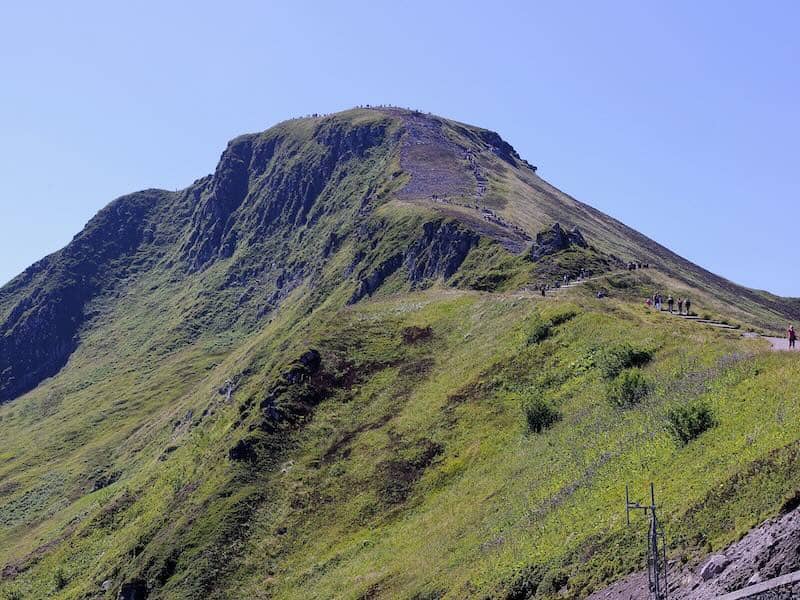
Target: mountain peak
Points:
(352, 198)
(347, 327)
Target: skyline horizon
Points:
(678, 120)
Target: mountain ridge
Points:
(260, 186)
(327, 370)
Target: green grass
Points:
(418, 477)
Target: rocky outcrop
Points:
(133, 590)
(295, 394)
(261, 184)
(243, 450)
(41, 329)
(555, 240)
(227, 190)
(768, 551)
(375, 278)
(500, 147)
(437, 253)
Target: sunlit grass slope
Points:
(415, 476)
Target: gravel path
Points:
(781, 344)
(777, 344)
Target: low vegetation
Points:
(689, 421)
(618, 357)
(539, 414)
(628, 389)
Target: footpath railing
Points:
(764, 586)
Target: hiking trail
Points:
(776, 344)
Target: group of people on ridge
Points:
(657, 301)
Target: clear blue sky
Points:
(680, 118)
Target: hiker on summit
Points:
(792, 335)
(670, 303)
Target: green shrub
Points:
(615, 359)
(60, 580)
(542, 329)
(628, 389)
(687, 422)
(540, 415)
(540, 332)
(563, 317)
(552, 582)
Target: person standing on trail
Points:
(680, 306)
(688, 304)
(543, 289)
(792, 336)
(670, 303)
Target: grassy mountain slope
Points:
(168, 431)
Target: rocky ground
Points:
(768, 551)
(433, 160)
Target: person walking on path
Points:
(688, 304)
(680, 306)
(670, 303)
(791, 335)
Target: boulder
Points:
(311, 360)
(555, 240)
(242, 451)
(133, 590)
(715, 565)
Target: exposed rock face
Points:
(243, 450)
(768, 551)
(714, 566)
(438, 252)
(41, 330)
(295, 394)
(133, 590)
(258, 185)
(554, 240)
